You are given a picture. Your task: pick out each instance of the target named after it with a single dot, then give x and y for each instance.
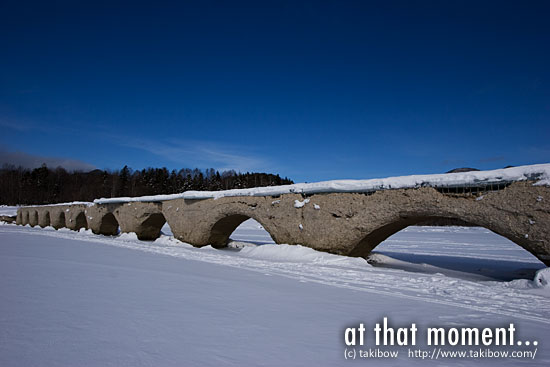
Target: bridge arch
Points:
(367, 243)
(108, 225)
(57, 219)
(44, 218)
(25, 217)
(80, 221)
(150, 227)
(222, 229)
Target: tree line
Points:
(44, 185)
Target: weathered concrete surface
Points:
(341, 223)
(353, 224)
(209, 221)
(75, 217)
(33, 217)
(24, 217)
(101, 219)
(57, 216)
(145, 219)
(43, 217)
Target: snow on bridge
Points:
(479, 179)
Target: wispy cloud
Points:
(491, 159)
(453, 161)
(32, 161)
(200, 154)
(538, 152)
(14, 125)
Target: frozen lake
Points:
(75, 298)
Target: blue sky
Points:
(311, 90)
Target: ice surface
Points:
(75, 298)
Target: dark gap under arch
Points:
(239, 228)
(151, 227)
(61, 220)
(109, 225)
(33, 219)
(468, 251)
(47, 220)
(80, 221)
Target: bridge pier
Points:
(24, 216)
(101, 219)
(75, 216)
(43, 217)
(57, 217)
(145, 219)
(33, 217)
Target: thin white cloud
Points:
(26, 160)
(14, 125)
(200, 154)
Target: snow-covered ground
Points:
(78, 299)
(8, 210)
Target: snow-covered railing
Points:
(87, 203)
(539, 173)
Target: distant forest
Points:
(45, 185)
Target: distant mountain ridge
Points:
(463, 169)
(468, 169)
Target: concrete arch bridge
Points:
(350, 222)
